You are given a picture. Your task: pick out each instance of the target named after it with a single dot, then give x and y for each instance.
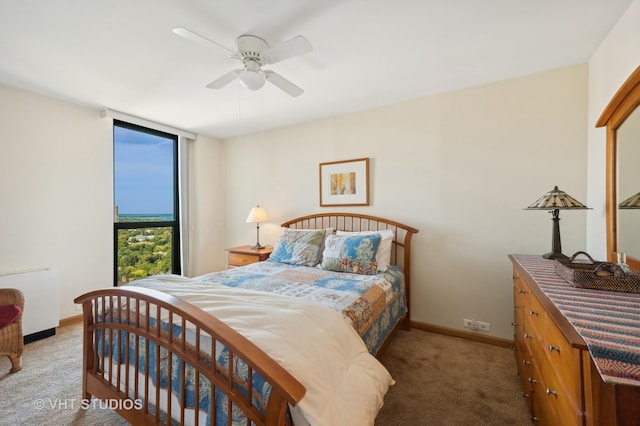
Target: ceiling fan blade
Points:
(282, 83)
(287, 49)
(224, 80)
(190, 35)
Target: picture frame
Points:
(344, 183)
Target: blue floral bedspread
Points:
(374, 304)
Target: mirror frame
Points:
(623, 103)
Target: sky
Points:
(143, 170)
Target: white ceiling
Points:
(122, 54)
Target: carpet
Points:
(450, 381)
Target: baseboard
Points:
(496, 341)
(70, 321)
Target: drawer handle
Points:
(534, 419)
(532, 380)
(525, 395)
(552, 392)
(554, 348)
(532, 312)
(522, 291)
(516, 306)
(525, 362)
(528, 336)
(513, 323)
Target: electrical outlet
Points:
(470, 324)
(484, 326)
(476, 325)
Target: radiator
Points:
(41, 306)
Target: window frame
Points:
(176, 266)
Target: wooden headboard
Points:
(401, 248)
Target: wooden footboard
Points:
(157, 358)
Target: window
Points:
(146, 233)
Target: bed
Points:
(234, 347)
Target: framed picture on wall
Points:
(344, 183)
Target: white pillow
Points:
(383, 256)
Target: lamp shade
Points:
(556, 200)
(257, 215)
(632, 202)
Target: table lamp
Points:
(257, 215)
(554, 201)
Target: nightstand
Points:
(245, 255)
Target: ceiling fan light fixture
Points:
(252, 80)
(254, 52)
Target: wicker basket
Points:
(597, 275)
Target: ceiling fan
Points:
(254, 52)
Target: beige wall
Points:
(460, 167)
(207, 213)
(56, 194)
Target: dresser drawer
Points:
(557, 372)
(520, 302)
(239, 259)
(563, 359)
(522, 351)
(536, 391)
(557, 401)
(524, 365)
(535, 317)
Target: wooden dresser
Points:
(559, 377)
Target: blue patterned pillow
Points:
(298, 247)
(355, 254)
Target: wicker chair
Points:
(11, 339)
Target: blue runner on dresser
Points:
(608, 322)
